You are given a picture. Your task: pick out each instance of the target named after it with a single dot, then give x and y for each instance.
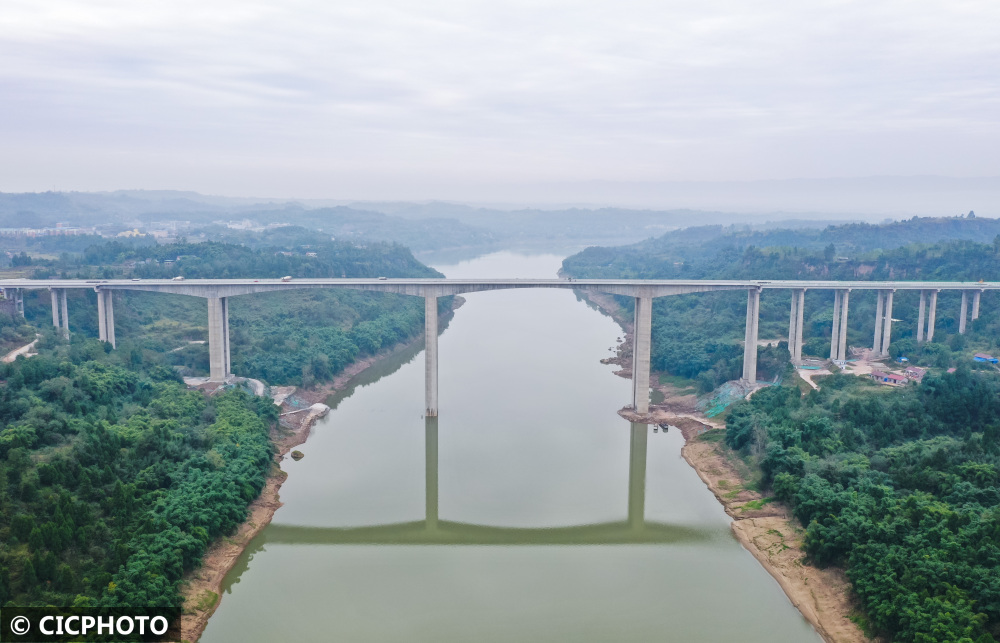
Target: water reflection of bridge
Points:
(434, 531)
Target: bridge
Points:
(218, 291)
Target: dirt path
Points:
(24, 350)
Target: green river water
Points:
(529, 511)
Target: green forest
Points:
(299, 337)
(114, 477)
(700, 336)
(899, 487)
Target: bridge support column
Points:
(431, 472)
(921, 312)
(931, 315)
(106, 317)
(975, 304)
(835, 335)
(110, 314)
(963, 312)
(637, 475)
(431, 355)
(879, 319)
(750, 337)
(65, 313)
(800, 295)
(55, 306)
(887, 323)
(793, 325)
(642, 340)
(218, 339)
(842, 348)
(102, 317)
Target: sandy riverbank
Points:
(202, 588)
(772, 535)
(766, 530)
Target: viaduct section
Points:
(218, 291)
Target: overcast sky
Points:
(403, 99)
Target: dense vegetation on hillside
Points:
(114, 477)
(699, 336)
(289, 337)
(899, 487)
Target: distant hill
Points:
(424, 227)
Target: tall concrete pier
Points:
(795, 321)
(750, 336)
(964, 312)
(883, 322)
(218, 339)
(65, 313)
(641, 347)
(55, 306)
(838, 338)
(431, 354)
(106, 317)
(887, 323)
(931, 314)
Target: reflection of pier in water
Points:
(434, 531)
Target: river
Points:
(529, 511)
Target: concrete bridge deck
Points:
(218, 291)
(210, 288)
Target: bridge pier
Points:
(835, 335)
(218, 339)
(975, 304)
(879, 320)
(55, 306)
(641, 344)
(750, 336)
(793, 324)
(105, 317)
(844, 301)
(800, 294)
(931, 315)
(887, 323)
(883, 322)
(963, 312)
(65, 313)
(637, 475)
(838, 338)
(431, 355)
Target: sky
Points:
(387, 99)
